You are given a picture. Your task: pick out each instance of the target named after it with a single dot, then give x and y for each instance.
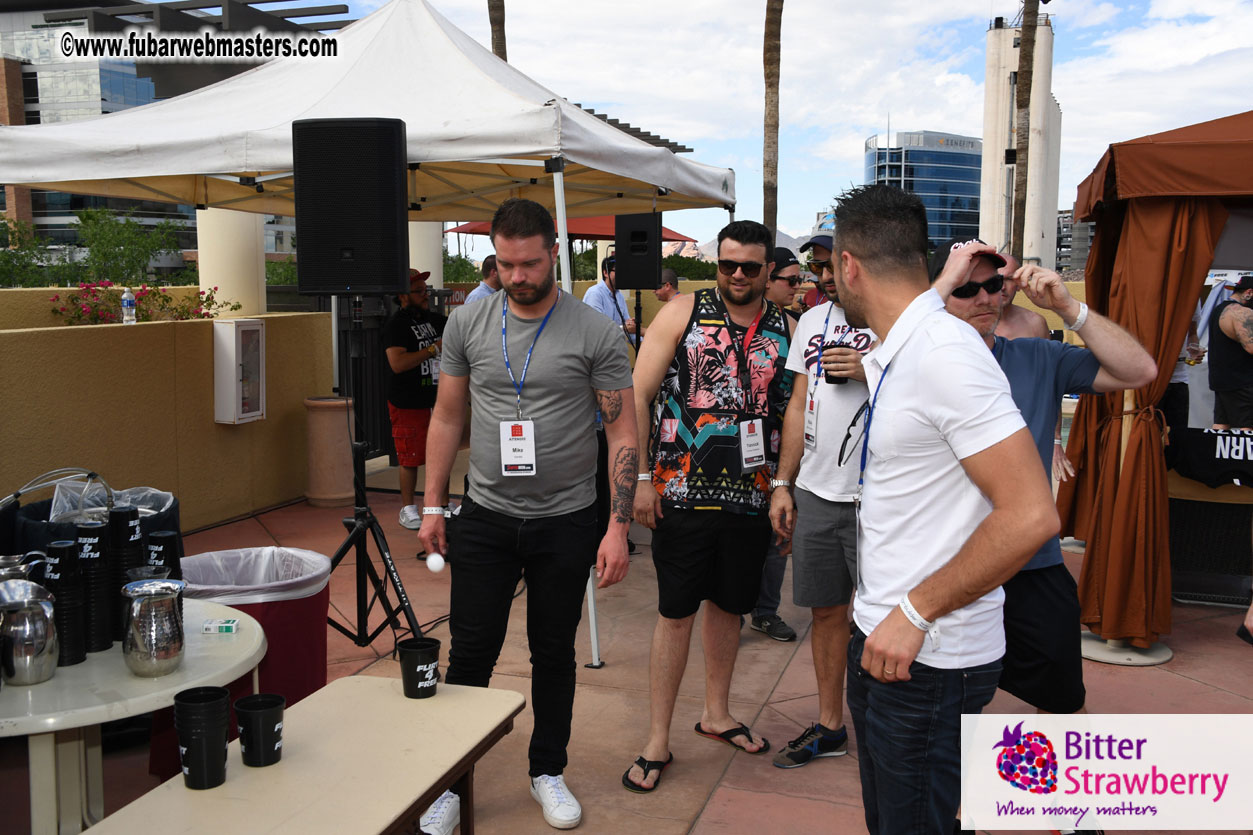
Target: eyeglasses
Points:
(818, 267)
(750, 268)
(971, 288)
(793, 280)
(859, 425)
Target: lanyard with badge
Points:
(865, 441)
(517, 436)
(752, 443)
(811, 402)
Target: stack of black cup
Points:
(201, 718)
(64, 578)
(166, 548)
(98, 589)
(127, 550)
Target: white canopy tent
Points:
(478, 131)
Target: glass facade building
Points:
(943, 169)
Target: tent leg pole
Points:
(563, 235)
(593, 627)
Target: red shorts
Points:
(409, 432)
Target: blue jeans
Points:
(488, 553)
(909, 741)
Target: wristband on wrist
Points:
(1057, 441)
(433, 511)
(644, 477)
(919, 621)
(1080, 320)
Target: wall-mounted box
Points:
(238, 370)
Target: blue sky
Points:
(691, 70)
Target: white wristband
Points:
(919, 621)
(1057, 441)
(1081, 319)
(644, 477)
(433, 511)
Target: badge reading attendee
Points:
(517, 447)
(752, 446)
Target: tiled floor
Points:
(710, 788)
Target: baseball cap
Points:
(1245, 283)
(823, 241)
(783, 258)
(940, 257)
(417, 276)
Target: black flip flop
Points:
(648, 765)
(728, 736)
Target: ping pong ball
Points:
(435, 562)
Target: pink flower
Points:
(202, 292)
(215, 289)
(86, 309)
(63, 310)
(55, 298)
(106, 283)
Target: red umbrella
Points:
(581, 228)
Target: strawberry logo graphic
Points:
(1027, 761)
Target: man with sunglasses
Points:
(817, 513)
(718, 356)
(819, 249)
(781, 289)
(1042, 665)
(953, 503)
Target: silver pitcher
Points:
(28, 634)
(152, 643)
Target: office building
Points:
(943, 169)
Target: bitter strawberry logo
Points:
(1027, 761)
(516, 430)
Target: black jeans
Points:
(489, 552)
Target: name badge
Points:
(811, 422)
(517, 447)
(752, 446)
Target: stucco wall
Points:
(135, 403)
(29, 307)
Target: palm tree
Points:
(496, 15)
(1022, 132)
(770, 145)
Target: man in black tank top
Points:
(1231, 358)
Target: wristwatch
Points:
(776, 483)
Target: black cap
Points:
(783, 258)
(1245, 283)
(940, 257)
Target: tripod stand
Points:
(363, 522)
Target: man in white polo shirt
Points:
(954, 502)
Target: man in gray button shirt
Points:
(534, 363)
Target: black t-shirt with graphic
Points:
(413, 330)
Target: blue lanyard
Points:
(865, 441)
(818, 372)
(504, 345)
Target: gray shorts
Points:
(824, 551)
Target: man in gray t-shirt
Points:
(535, 364)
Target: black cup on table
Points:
(831, 378)
(64, 579)
(202, 720)
(260, 721)
(419, 666)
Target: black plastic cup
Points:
(201, 720)
(832, 378)
(260, 721)
(94, 561)
(419, 666)
(62, 569)
(166, 548)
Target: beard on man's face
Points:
(527, 294)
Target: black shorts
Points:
(709, 555)
(1234, 408)
(1043, 663)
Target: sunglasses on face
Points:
(971, 288)
(818, 267)
(749, 268)
(793, 281)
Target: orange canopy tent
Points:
(600, 228)
(1159, 203)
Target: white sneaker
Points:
(561, 810)
(442, 816)
(410, 517)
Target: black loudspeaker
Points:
(637, 245)
(1210, 555)
(351, 207)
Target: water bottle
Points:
(128, 307)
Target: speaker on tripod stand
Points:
(351, 224)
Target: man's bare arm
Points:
(791, 447)
(650, 368)
(1023, 517)
(618, 416)
(400, 360)
(1237, 322)
(443, 438)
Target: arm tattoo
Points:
(623, 488)
(610, 405)
(1244, 330)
